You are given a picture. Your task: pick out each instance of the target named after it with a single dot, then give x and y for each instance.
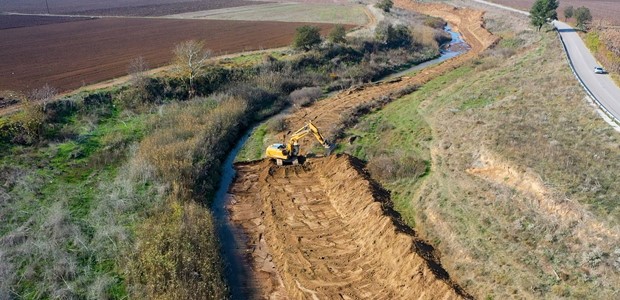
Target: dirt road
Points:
(327, 114)
(324, 230)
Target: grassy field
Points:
(288, 12)
(57, 237)
(520, 195)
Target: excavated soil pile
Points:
(328, 114)
(325, 230)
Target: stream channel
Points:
(236, 269)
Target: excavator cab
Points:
(289, 153)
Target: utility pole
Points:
(48, 7)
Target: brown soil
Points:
(69, 55)
(324, 230)
(17, 21)
(167, 9)
(119, 8)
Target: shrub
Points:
(433, 22)
(337, 35)
(385, 5)
(582, 16)
(277, 124)
(389, 168)
(393, 36)
(27, 127)
(305, 96)
(306, 37)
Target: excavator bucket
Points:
(329, 149)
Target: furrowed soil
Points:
(324, 230)
(69, 55)
(17, 21)
(118, 8)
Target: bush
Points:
(306, 37)
(277, 124)
(433, 22)
(305, 96)
(385, 5)
(393, 36)
(337, 35)
(389, 168)
(582, 16)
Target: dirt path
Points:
(324, 230)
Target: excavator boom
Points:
(289, 152)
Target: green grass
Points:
(254, 147)
(399, 128)
(529, 113)
(245, 60)
(70, 175)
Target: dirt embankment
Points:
(327, 114)
(325, 230)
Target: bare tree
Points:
(190, 58)
(138, 77)
(137, 70)
(43, 95)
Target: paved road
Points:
(602, 87)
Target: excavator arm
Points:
(308, 128)
(290, 150)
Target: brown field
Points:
(69, 55)
(608, 10)
(118, 7)
(17, 21)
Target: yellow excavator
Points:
(289, 153)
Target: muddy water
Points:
(231, 249)
(448, 50)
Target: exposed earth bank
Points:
(325, 230)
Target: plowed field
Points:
(69, 55)
(324, 230)
(17, 21)
(118, 8)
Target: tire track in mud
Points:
(324, 230)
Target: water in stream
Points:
(448, 50)
(236, 272)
